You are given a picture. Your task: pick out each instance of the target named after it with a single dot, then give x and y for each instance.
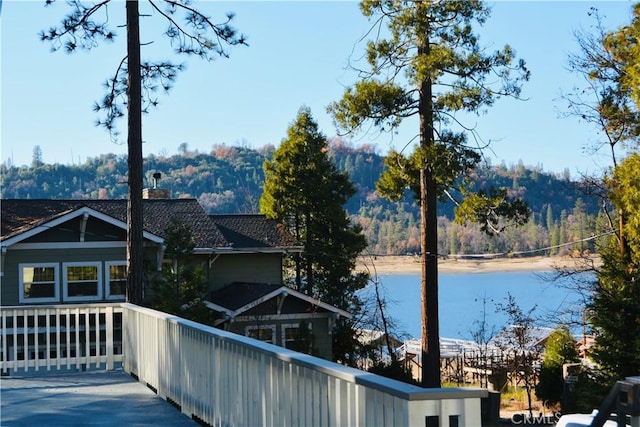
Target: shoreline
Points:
(410, 264)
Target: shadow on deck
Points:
(100, 398)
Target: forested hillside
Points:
(229, 179)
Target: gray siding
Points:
(9, 287)
(248, 268)
(319, 328)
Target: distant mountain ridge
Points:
(229, 179)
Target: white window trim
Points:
(65, 284)
(107, 281)
(286, 326)
(258, 327)
(56, 273)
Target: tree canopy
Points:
(181, 287)
(559, 349)
(625, 48)
(429, 63)
(304, 190)
(609, 101)
(614, 311)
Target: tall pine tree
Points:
(304, 190)
(135, 82)
(432, 66)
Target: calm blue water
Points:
(461, 295)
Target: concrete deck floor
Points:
(100, 398)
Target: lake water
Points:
(461, 298)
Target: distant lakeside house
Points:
(74, 251)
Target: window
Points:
(81, 281)
(295, 338)
(39, 283)
(290, 334)
(266, 333)
(116, 279)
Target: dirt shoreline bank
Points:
(401, 264)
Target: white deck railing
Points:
(227, 379)
(59, 337)
(221, 378)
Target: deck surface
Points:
(101, 398)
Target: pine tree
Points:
(82, 28)
(432, 66)
(608, 62)
(181, 287)
(614, 309)
(304, 191)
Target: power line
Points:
(532, 251)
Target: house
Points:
(74, 251)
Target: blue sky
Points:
(298, 55)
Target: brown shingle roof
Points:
(254, 231)
(20, 215)
(209, 231)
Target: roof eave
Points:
(292, 292)
(256, 250)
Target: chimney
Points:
(155, 192)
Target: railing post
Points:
(5, 356)
(108, 318)
(25, 343)
(15, 339)
(36, 346)
(47, 324)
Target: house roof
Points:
(237, 298)
(254, 231)
(20, 216)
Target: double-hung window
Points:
(116, 278)
(39, 283)
(81, 281)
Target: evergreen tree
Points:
(608, 61)
(624, 48)
(181, 288)
(304, 190)
(36, 161)
(560, 349)
(615, 313)
(432, 66)
(134, 84)
(549, 218)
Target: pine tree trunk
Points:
(428, 235)
(135, 250)
(310, 252)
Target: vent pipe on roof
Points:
(155, 192)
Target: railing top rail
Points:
(59, 306)
(387, 385)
